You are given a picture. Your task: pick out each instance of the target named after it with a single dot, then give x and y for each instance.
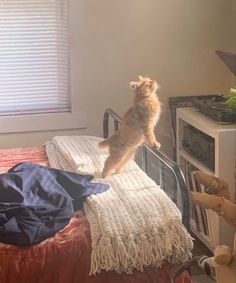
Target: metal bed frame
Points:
(164, 161)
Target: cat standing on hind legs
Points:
(137, 126)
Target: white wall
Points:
(114, 41)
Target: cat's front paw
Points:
(156, 144)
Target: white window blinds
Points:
(34, 57)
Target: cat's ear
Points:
(140, 77)
(133, 85)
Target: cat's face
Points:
(144, 85)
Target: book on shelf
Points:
(205, 221)
(193, 209)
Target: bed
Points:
(71, 255)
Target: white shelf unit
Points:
(224, 138)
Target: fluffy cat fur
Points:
(137, 126)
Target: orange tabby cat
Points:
(137, 126)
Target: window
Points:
(37, 91)
(34, 61)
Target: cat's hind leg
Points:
(108, 167)
(111, 163)
(126, 158)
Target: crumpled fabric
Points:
(37, 201)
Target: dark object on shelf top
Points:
(217, 109)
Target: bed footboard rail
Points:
(162, 157)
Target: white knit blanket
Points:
(134, 224)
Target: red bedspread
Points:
(64, 258)
(10, 157)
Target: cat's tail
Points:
(104, 143)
